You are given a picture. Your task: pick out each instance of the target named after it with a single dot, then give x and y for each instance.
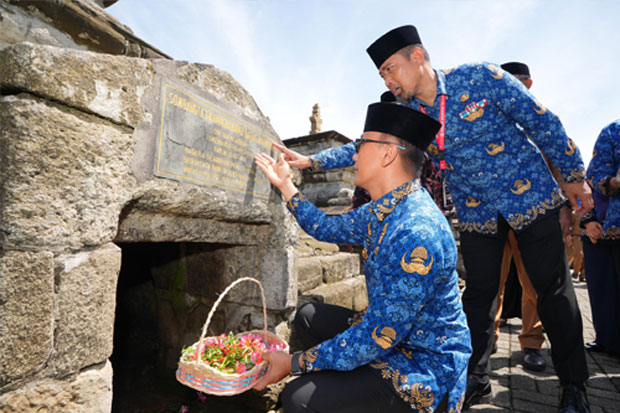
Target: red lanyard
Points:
(442, 131)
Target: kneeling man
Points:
(411, 347)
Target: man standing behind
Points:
(410, 348)
(499, 181)
(531, 337)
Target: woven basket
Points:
(199, 376)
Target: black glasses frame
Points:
(360, 141)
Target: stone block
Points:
(65, 175)
(340, 266)
(337, 294)
(360, 295)
(26, 312)
(106, 85)
(309, 245)
(90, 391)
(309, 272)
(86, 308)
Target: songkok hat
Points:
(387, 97)
(403, 122)
(391, 42)
(516, 68)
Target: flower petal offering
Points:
(228, 364)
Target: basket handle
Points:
(217, 302)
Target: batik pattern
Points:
(491, 166)
(414, 332)
(604, 166)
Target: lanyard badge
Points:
(440, 137)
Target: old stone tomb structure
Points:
(127, 193)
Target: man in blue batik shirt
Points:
(498, 180)
(410, 349)
(604, 176)
(604, 287)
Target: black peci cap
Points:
(516, 68)
(391, 42)
(405, 123)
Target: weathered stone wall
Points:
(76, 177)
(76, 24)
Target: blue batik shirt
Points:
(491, 166)
(604, 166)
(414, 333)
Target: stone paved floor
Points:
(518, 390)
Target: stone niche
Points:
(101, 237)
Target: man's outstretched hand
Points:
(279, 367)
(294, 159)
(278, 173)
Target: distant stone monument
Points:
(315, 119)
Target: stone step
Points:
(309, 246)
(314, 270)
(349, 293)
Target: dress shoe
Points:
(478, 391)
(533, 360)
(594, 347)
(574, 399)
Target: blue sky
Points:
(291, 54)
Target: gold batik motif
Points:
(293, 203)
(577, 175)
(407, 353)
(397, 196)
(518, 221)
(520, 186)
(308, 357)
(489, 227)
(497, 72)
(472, 202)
(539, 108)
(612, 233)
(380, 238)
(316, 164)
(418, 395)
(418, 256)
(385, 338)
(459, 405)
(571, 147)
(495, 148)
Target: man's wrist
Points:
(288, 190)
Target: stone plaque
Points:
(201, 143)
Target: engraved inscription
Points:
(201, 143)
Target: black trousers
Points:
(357, 391)
(603, 279)
(544, 257)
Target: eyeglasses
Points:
(358, 144)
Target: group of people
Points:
(512, 174)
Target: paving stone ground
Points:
(518, 390)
